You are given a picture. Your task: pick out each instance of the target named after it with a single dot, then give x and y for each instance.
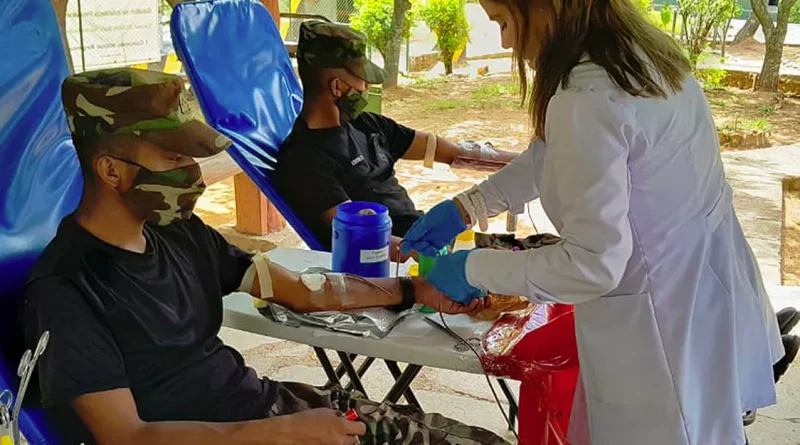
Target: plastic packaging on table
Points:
(538, 348)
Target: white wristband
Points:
(430, 151)
(480, 209)
(473, 202)
(467, 204)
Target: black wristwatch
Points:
(409, 295)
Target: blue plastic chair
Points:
(243, 78)
(40, 180)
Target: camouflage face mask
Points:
(352, 104)
(165, 197)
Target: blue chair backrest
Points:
(238, 66)
(39, 178)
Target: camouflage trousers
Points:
(386, 424)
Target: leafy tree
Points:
(385, 23)
(794, 14)
(700, 18)
(448, 20)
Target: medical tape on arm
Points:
(338, 283)
(260, 268)
(326, 289)
(430, 151)
(473, 202)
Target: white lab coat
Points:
(675, 331)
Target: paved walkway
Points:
(755, 176)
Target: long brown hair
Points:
(638, 57)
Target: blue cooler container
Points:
(362, 237)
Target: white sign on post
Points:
(108, 34)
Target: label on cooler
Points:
(375, 256)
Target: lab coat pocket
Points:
(621, 353)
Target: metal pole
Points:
(80, 33)
(408, 54)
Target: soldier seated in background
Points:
(336, 152)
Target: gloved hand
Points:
(449, 275)
(435, 229)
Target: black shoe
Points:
(787, 319)
(791, 344)
(749, 417)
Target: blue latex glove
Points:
(449, 276)
(435, 229)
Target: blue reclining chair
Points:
(40, 177)
(240, 70)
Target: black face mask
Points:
(164, 197)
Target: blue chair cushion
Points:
(40, 180)
(245, 83)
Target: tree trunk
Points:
(725, 37)
(60, 7)
(770, 71)
(775, 36)
(748, 29)
(447, 59)
(391, 60)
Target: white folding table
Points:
(413, 341)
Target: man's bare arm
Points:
(359, 293)
(447, 151)
(112, 418)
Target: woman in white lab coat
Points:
(676, 334)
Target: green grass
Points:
(766, 110)
(430, 81)
(495, 91)
(504, 94)
(757, 124)
(717, 102)
(444, 104)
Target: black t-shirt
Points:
(148, 322)
(320, 169)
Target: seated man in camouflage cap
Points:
(131, 290)
(338, 153)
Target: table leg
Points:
(355, 379)
(513, 407)
(333, 379)
(408, 393)
(340, 371)
(365, 365)
(402, 384)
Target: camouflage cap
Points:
(329, 45)
(149, 104)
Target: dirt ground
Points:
(488, 109)
(790, 252)
(753, 50)
(751, 110)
